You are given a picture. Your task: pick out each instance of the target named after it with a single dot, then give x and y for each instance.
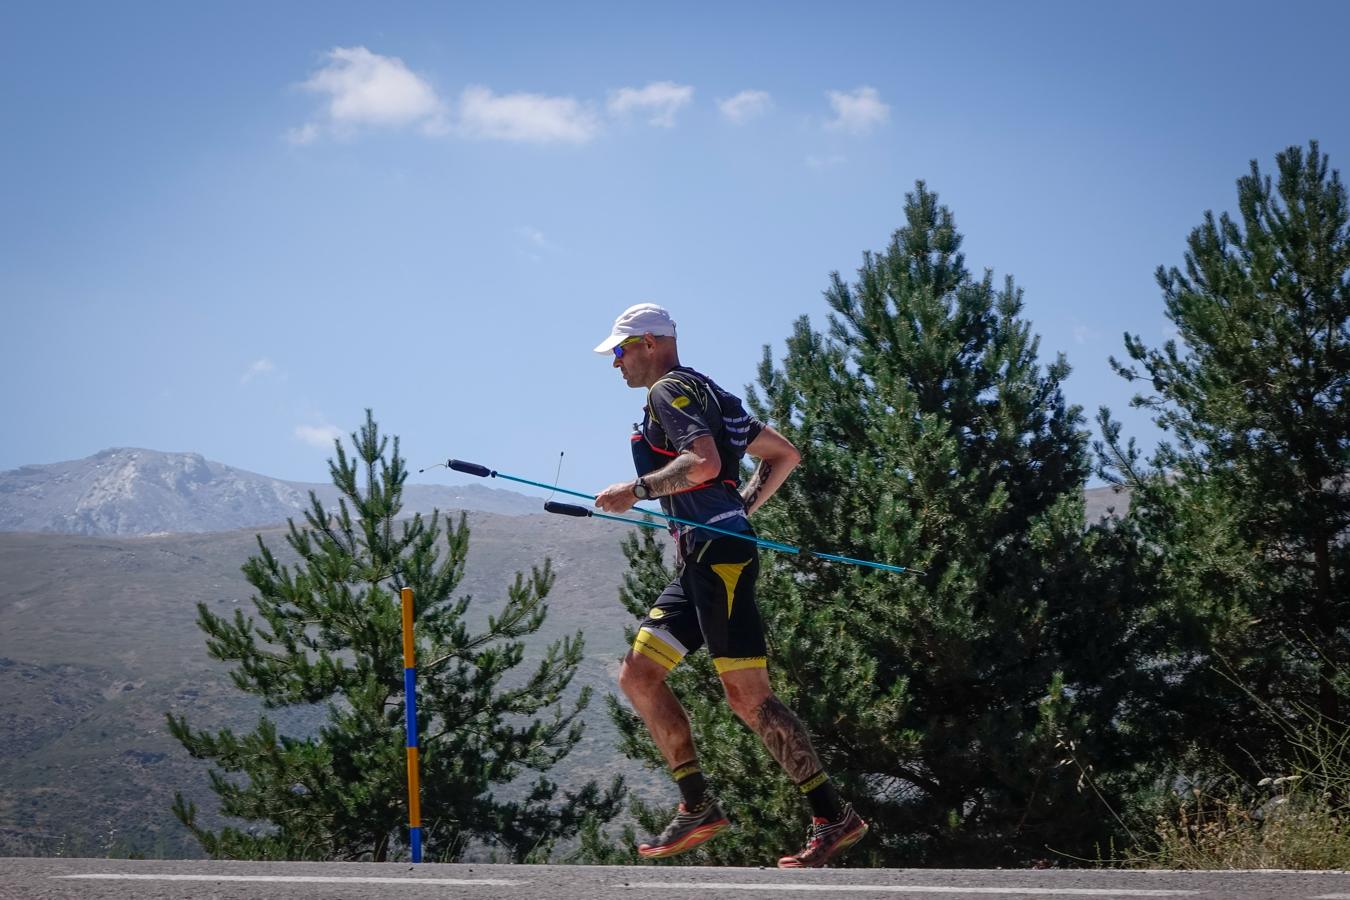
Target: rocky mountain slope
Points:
(128, 491)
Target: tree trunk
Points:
(1328, 701)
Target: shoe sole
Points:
(848, 840)
(688, 842)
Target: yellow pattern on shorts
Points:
(730, 573)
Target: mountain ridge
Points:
(126, 491)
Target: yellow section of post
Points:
(408, 647)
(414, 793)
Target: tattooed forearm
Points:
(785, 737)
(755, 486)
(676, 476)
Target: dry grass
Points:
(1300, 820)
(1296, 828)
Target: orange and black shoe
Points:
(825, 840)
(686, 831)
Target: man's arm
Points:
(695, 465)
(699, 462)
(777, 458)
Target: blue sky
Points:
(230, 228)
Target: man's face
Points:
(636, 360)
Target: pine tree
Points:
(1240, 518)
(327, 630)
(974, 712)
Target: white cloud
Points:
(305, 134)
(745, 106)
(1085, 334)
(525, 117)
(825, 162)
(367, 90)
(256, 369)
(536, 244)
(535, 237)
(321, 436)
(858, 111)
(661, 98)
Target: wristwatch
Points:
(641, 491)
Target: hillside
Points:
(98, 636)
(98, 639)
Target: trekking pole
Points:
(570, 509)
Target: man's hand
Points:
(617, 498)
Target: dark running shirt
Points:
(683, 406)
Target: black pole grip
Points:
(469, 468)
(566, 509)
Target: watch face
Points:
(640, 491)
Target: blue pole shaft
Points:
(484, 471)
(884, 567)
(772, 545)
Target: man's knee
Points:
(639, 675)
(745, 697)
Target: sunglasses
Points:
(618, 350)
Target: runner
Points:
(687, 452)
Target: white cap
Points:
(638, 319)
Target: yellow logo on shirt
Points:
(656, 613)
(680, 402)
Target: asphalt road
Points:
(105, 879)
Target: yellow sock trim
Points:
(686, 771)
(811, 784)
(731, 664)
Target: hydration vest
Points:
(729, 432)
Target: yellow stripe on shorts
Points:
(726, 664)
(657, 650)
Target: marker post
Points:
(410, 702)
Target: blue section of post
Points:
(410, 704)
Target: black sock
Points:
(822, 796)
(693, 787)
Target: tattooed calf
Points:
(786, 738)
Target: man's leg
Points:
(783, 734)
(643, 682)
(835, 826)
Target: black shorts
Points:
(712, 601)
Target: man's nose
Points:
(616, 362)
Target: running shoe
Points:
(825, 840)
(686, 831)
